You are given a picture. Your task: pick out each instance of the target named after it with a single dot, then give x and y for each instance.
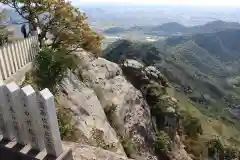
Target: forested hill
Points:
(172, 28)
(122, 49)
(223, 45)
(203, 63)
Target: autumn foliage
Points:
(68, 30)
(62, 20)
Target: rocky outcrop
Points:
(86, 152)
(111, 88)
(180, 154)
(153, 72)
(145, 74)
(91, 89)
(89, 115)
(140, 76)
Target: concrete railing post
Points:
(30, 48)
(15, 61)
(23, 52)
(2, 65)
(6, 125)
(20, 53)
(16, 55)
(26, 50)
(32, 118)
(52, 137)
(6, 61)
(15, 50)
(36, 44)
(12, 92)
(10, 59)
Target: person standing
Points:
(24, 31)
(32, 30)
(37, 31)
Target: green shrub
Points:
(51, 67)
(192, 126)
(214, 146)
(162, 142)
(153, 94)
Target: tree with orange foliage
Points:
(62, 20)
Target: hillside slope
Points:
(209, 56)
(198, 67)
(203, 62)
(185, 61)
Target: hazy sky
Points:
(216, 3)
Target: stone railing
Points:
(16, 55)
(28, 119)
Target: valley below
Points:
(203, 69)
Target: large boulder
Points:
(89, 115)
(153, 72)
(112, 88)
(143, 75)
(131, 63)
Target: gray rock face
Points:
(112, 88)
(104, 85)
(153, 71)
(85, 152)
(89, 114)
(133, 64)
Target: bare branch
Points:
(78, 46)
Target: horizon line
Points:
(153, 4)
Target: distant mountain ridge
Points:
(214, 26)
(200, 61)
(223, 44)
(174, 28)
(122, 49)
(170, 27)
(114, 30)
